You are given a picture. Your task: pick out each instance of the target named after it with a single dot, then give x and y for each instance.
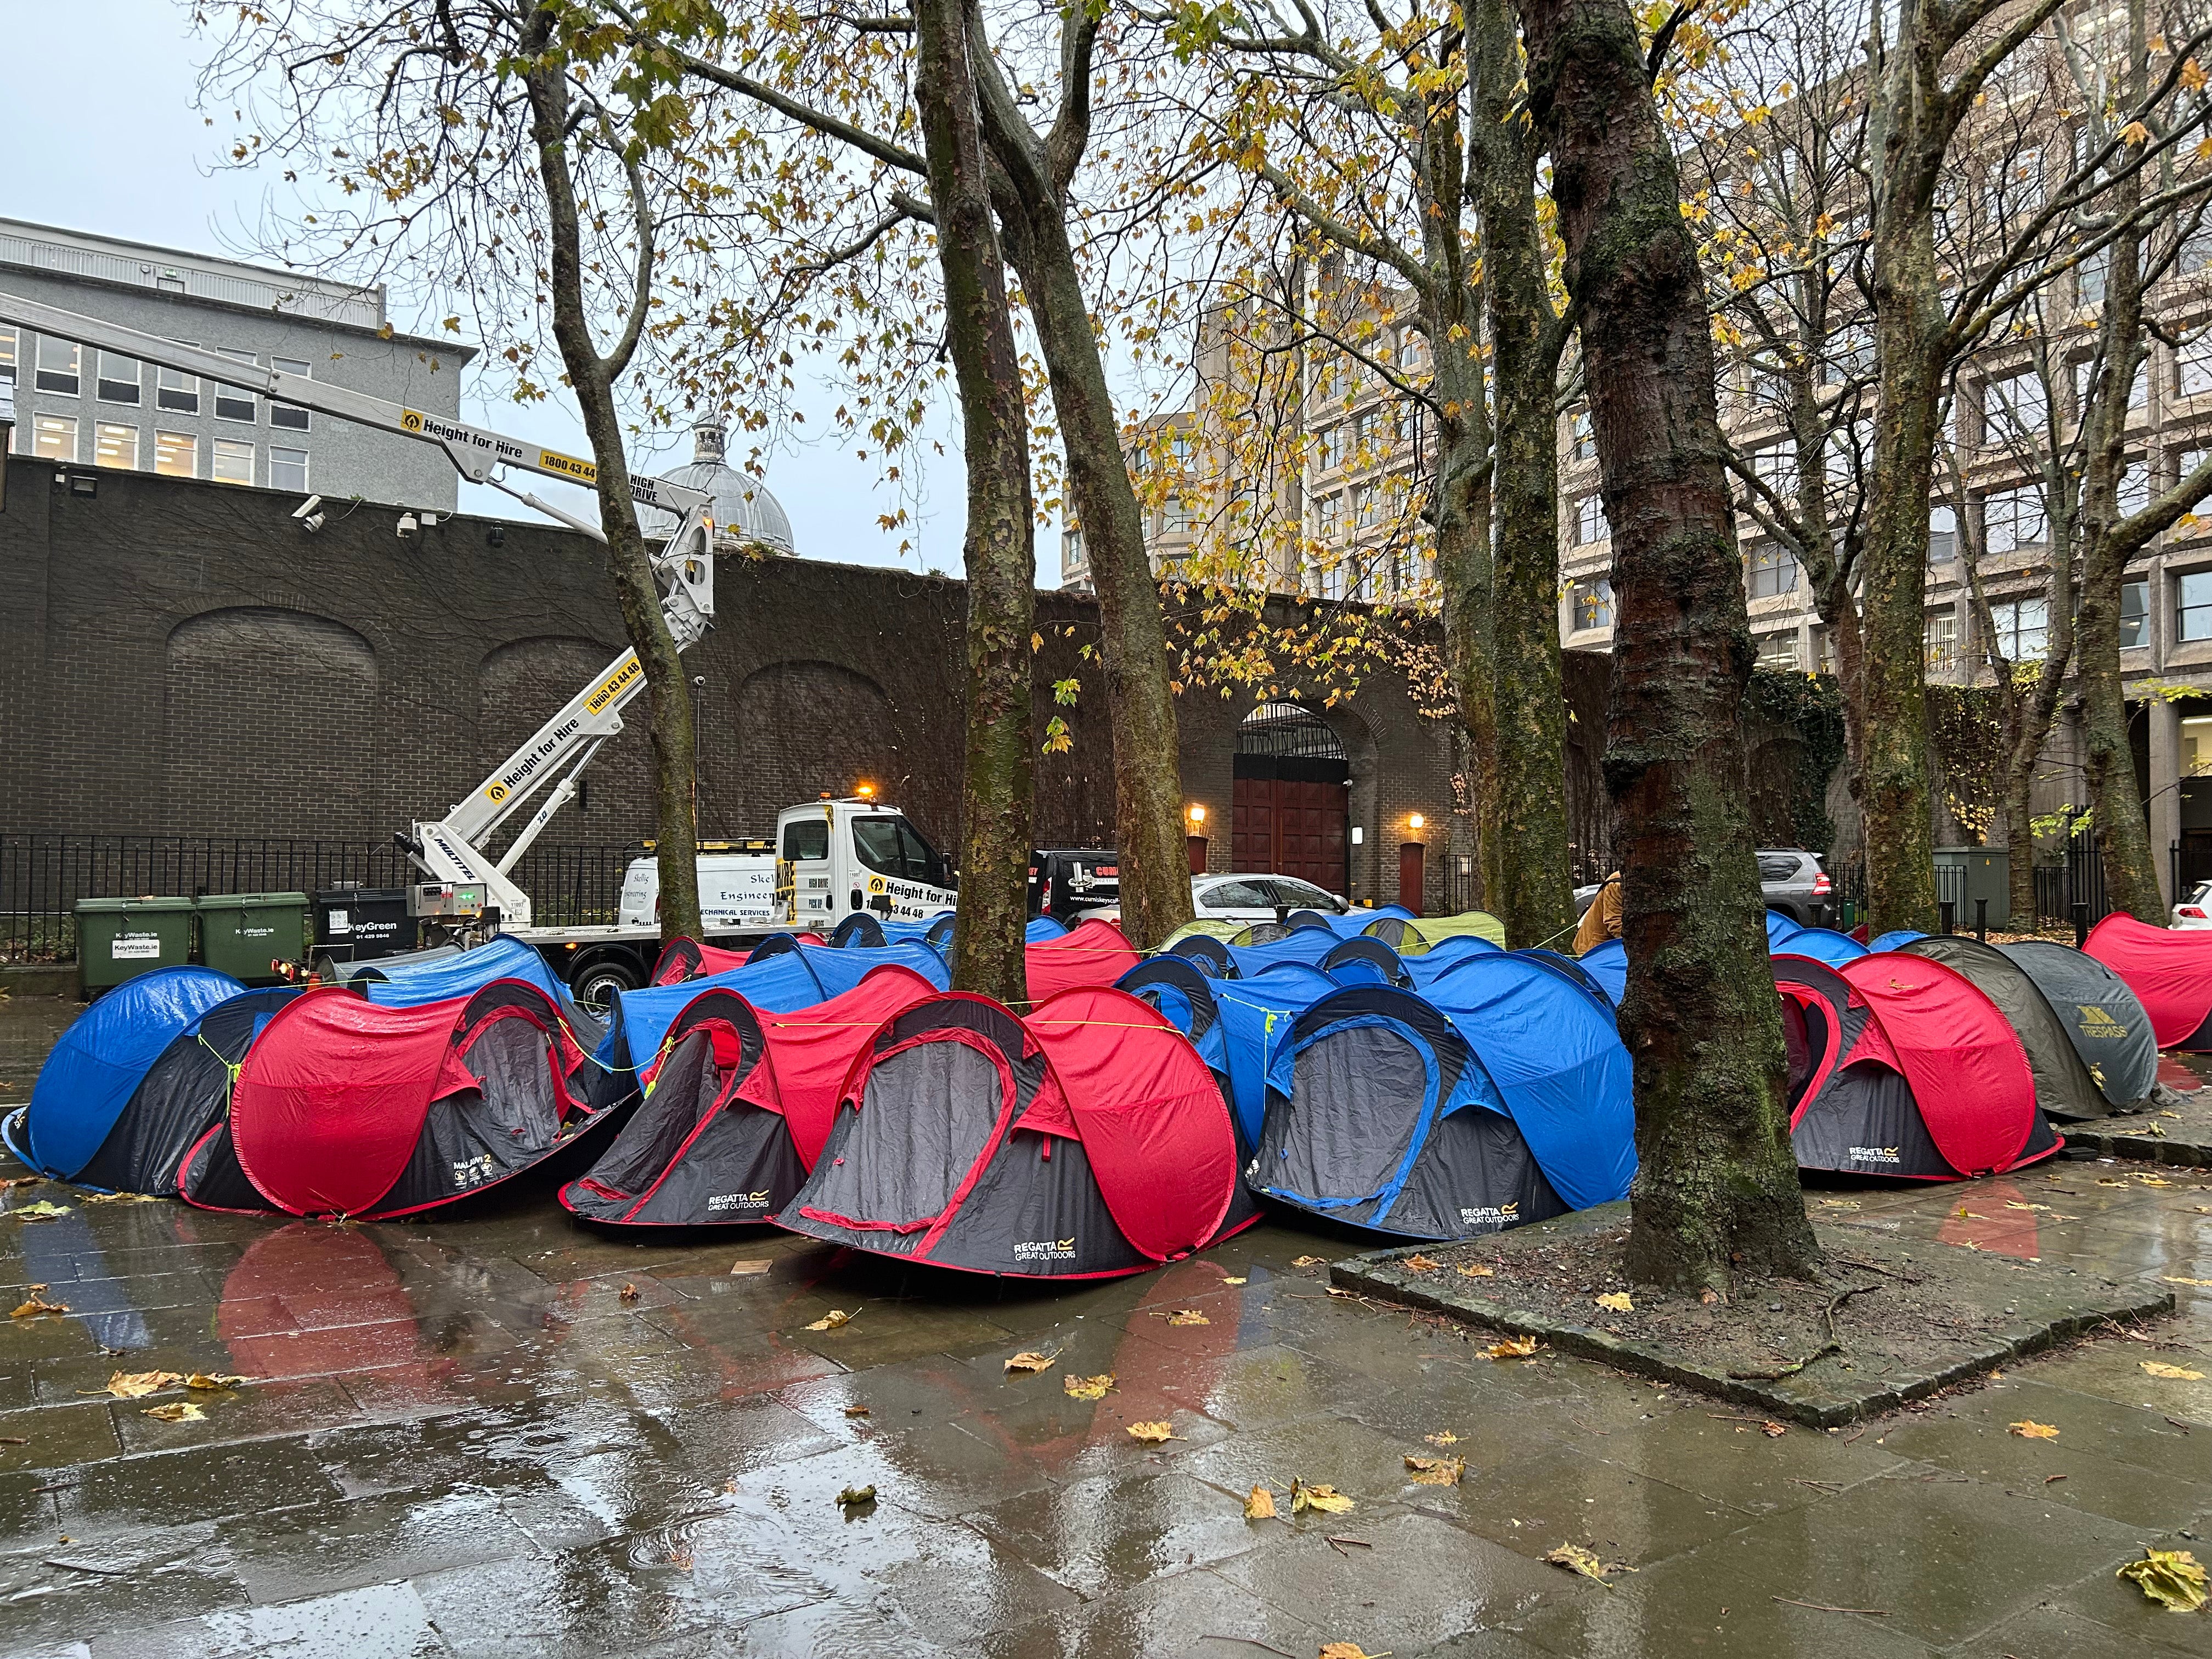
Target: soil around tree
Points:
(1886, 1322)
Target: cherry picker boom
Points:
(453, 849)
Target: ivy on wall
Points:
(1965, 734)
(1811, 706)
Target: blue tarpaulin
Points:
(438, 979)
(1305, 945)
(1825, 944)
(92, 1072)
(1558, 1064)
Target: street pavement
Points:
(505, 1435)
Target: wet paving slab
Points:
(500, 1435)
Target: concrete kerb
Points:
(2055, 1306)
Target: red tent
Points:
(1090, 953)
(1087, 1141)
(346, 1106)
(2170, 971)
(1898, 1066)
(736, 1108)
(682, 959)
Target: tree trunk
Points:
(1155, 890)
(668, 704)
(1715, 1191)
(997, 789)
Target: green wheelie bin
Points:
(117, 938)
(241, 933)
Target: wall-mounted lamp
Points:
(1197, 815)
(1415, 820)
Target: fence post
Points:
(2081, 923)
(1950, 909)
(1982, 919)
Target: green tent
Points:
(1410, 938)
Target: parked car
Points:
(1793, 882)
(2195, 909)
(1242, 897)
(1069, 882)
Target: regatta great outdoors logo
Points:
(2096, 1022)
(722, 1203)
(1876, 1155)
(1490, 1215)
(1045, 1249)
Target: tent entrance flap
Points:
(930, 1109)
(1868, 1122)
(1360, 1098)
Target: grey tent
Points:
(2108, 1026)
(2064, 1086)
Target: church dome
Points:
(745, 514)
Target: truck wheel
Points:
(595, 984)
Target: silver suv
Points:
(1791, 879)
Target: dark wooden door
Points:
(1292, 827)
(1410, 855)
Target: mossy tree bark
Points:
(1715, 1193)
(591, 376)
(998, 782)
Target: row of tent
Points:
(1353, 1068)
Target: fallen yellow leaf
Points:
(1327, 1499)
(183, 1412)
(1260, 1505)
(1418, 1263)
(2170, 1577)
(37, 1305)
(1476, 1271)
(629, 1292)
(1575, 1559)
(2176, 1278)
(852, 1495)
(1236, 1279)
(1513, 1347)
(1188, 1316)
(832, 1319)
(1435, 1471)
(136, 1385)
(1088, 1388)
(1310, 1262)
(2159, 1367)
(1031, 1361)
(1772, 1430)
(2011, 1205)
(206, 1380)
(2034, 1430)
(44, 1209)
(1346, 1650)
(1442, 1438)
(1151, 1434)
(1616, 1302)
(856, 1411)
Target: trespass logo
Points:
(2096, 1022)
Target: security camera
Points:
(311, 523)
(407, 527)
(307, 509)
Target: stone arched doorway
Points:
(1290, 814)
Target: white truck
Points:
(830, 857)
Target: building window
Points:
(1591, 526)
(1182, 516)
(2022, 628)
(1593, 606)
(1328, 517)
(1364, 510)
(1778, 651)
(8, 355)
(2015, 407)
(1774, 571)
(2135, 486)
(2135, 614)
(60, 366)
(1942, 535)
(1939, 638)
(1776, 467)
(176, 455)
(2089, 376)
(120, 379)
(2089, 277)
(115, 445)
(2192, 618)
(180, 394)
(2012, 518)
(2192, 368)
(232, 402)
(233, 461)
(53, 437)
(1584, 434)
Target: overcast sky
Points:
(110, 142)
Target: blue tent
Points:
(1381, 1114)
(1184, 994)
(1825, 944)
(1205, 953)
(1360, 960)
(438, 979)
(1448, 953)
(1559, 1065)
(1304, 945)
(1040, 928)
(1575, 974)
(93, 1071)
(1780, 930)
(1608, 963)
(1895, 940)
(1255, 1016)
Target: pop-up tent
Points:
(1205, 927)
(96, 1070)
(2104, 1020)
(1184, 996)
(2170, 971)
(1206, 952)
(1895, 939)
(1087, 1142)
(682, 959)
(735, 1113)
(1431, 963)
(1607, 964)
(1090, 953)
(2063, 1087)
(430, 978)
(1408, 937)
(1573, 973)
(1361, 959)
(1824, 944)
(346, 1106)
(1899, 1066)
(1301, 944)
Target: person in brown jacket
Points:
(1601, 922)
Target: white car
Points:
(2195, 909)
(1247, 897)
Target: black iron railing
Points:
(43, 874)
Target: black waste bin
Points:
(360, 924)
